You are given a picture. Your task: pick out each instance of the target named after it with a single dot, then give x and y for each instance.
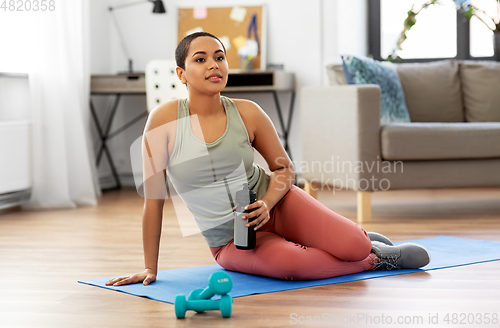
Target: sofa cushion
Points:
(336, 74)
(359, 70)
(481, 89)
(432, 91)
(438, 141)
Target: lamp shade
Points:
(159, 8)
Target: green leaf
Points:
(469, 12)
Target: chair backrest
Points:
(162, 83)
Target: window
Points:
(440, 32)
(481, 44)
(433, 36)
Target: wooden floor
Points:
(44, 253)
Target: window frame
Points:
(374, 37)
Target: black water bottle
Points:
(244, 237)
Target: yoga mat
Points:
(446, 252)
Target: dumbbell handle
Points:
(206, 294)
(202, 305)
(219, 283)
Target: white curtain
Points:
(64, 173)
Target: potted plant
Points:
(463, 6)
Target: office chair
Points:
(162, 83)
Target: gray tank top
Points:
(206, 176)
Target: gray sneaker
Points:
(405, 256)
(374, 236)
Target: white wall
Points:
(303, 38)
(345, 31)
(100, 36)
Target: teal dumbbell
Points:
(225, 305)
(219, 283)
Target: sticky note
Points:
(226, 42)
(194, 30)
(240, 41)
(250, 50)
(200, 12)
(238, 14)
(253, 48)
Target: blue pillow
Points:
(368, 71)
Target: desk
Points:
(244, 82)
(114, 85)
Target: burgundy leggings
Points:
(302, 240)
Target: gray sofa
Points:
(453, 140)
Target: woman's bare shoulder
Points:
(162, 114)
(248, 108)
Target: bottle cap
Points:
(245, 196)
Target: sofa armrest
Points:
(340, 134)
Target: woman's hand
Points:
(146, 277)
(261, 214)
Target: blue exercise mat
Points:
(445, 252)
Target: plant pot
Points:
(496, 46)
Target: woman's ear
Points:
(181, 75)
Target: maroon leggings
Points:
(302, 240)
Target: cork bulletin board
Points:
(241, 29)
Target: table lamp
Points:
(158, 8)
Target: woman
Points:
(298, 238)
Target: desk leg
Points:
(289, 125)
(113, 170)
(126, 126)
(290, 113)
(104, 136)
(284, 128)
(96, 120)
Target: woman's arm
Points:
(155, 158)
(268, 144)
(151, 233)
(152, 216)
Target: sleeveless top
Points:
(206, 176)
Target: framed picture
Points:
(241, 29)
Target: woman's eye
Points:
(200, 60)
(220, 58)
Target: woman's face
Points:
(206, 66)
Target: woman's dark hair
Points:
(182, 48)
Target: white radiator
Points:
(15, 140)
(15, 156)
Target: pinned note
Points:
(238, 14)
(250, 50)
(200, 12)
(240, 42)
(194, 30)
(226, 42)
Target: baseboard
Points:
(11, 210)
